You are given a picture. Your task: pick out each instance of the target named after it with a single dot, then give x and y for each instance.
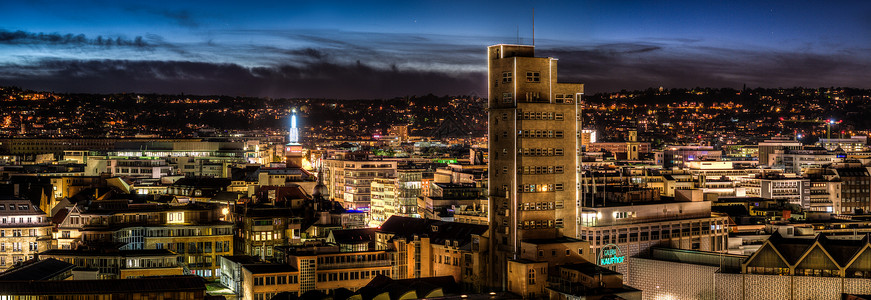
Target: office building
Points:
(767, 148)
(853, 144)
(534, 126)
(623, 228)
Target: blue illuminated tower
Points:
(293, 150)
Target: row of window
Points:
(567, 98)
(447, 260)
(531, 170)
(22, 220)
(199, 247)
(542, 224)
(355, 275)
(540, 151)
(537, 116)
(550, 134)
(352, 258)
(539, 206)
(273, 280)
(13, 206)
(539, 188)
(655, 235)
(18, 247)
(20, 232)
(15, 259)
(531, 77)
(188, 232)
(266, 235)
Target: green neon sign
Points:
(610, 255)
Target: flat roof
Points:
(559, 240)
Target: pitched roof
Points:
(353, 236)
(794, 248)
(438, 231)
(203, 182)
(791, 248)
(397, 288)
(37, 270)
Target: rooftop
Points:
(185, 283)
(37, 270)
(268, 268)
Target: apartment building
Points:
(25, 230)
(348, 178)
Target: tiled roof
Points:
(438, 231)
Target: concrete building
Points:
(533, 124)
(396, 196)
(139, 167)
(632, 228)
(791, 190)
(821, 195)
(260, 228)
(326, 268)
(348, 178)
(383, 195)
(811, 267)
(767, 147)
(799, 160)
(851, 145)
(447, 200)
(678, 156)
(855, 190)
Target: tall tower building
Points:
(534, 144)
(293, 150)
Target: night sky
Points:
(358, 49)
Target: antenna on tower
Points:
(518, 34)
(533, 26)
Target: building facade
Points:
(25, 230)
(534, 146)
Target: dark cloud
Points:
(347, 65)
(30, 38)
(183, 18)
(320, 79)
(609, 68)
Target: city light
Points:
(378, 150)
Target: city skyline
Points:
(387, 49)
